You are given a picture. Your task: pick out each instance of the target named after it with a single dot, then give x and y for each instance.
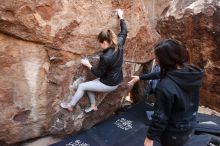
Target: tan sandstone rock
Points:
(41, 48)
(23, 89)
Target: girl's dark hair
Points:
(170, 54)
(108, 36)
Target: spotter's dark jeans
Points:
(170, 139)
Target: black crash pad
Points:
(126, 129)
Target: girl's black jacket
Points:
(177, 101)
(109, 69)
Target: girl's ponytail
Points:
(113, 38)
(188, 56)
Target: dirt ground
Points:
(45, 141)
(208, 111)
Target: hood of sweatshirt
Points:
(187, 78)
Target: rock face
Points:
(41, 44)
(23, 87)
(197, 24)
(154, 9)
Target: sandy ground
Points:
(208, 111)
(42, 141)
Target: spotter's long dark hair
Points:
(171, 53)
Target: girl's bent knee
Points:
(81, 86)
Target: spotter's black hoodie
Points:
(177, 101)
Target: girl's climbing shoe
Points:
(67, 106)
(91, 108)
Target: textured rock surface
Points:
(41, 45)
(68, 25)
(154, 9)
(197, 24)
(23, 88)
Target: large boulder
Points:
(41, 44)
(197, 24)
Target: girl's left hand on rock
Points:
(85, 62)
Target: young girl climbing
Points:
(109, 69)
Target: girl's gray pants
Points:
(90, 87)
